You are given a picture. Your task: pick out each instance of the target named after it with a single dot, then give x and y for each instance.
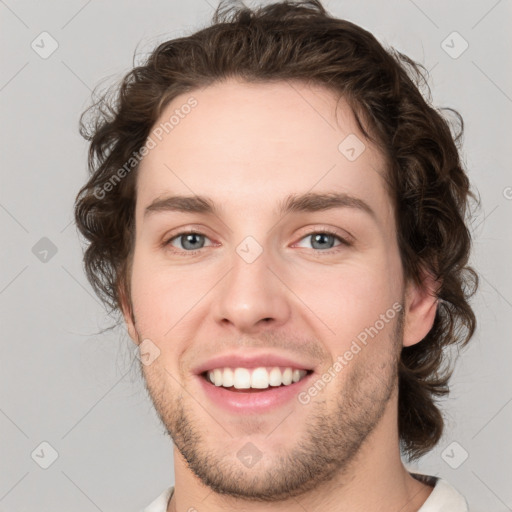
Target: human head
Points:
(298, 42)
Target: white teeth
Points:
(228, 377)
(287, 376)
(217, 377)
(274, 378)
(242, 379)
(257, 378)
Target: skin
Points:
(247, 146)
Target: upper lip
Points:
(249, 361)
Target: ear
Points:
(420, 308)
(127, 310)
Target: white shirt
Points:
(443, 498)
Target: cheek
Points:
(162, 296)
(353, 298)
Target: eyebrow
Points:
(308, 202)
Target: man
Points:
(280, 217)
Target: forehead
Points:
(250, 145)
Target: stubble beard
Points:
(331, 441)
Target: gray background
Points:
(79, 391)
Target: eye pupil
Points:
(320, 237)
(190, 238)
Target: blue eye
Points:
(324, 240)
(192, 242)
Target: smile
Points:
(255, 378)
(253, 391)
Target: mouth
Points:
(250, 380)
(253, 390)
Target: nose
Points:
(252, 296)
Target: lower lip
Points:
(249, 402)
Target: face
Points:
(314, 290)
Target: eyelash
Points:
(343, 241)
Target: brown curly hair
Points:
(300, 41)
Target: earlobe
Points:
(420, 309)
